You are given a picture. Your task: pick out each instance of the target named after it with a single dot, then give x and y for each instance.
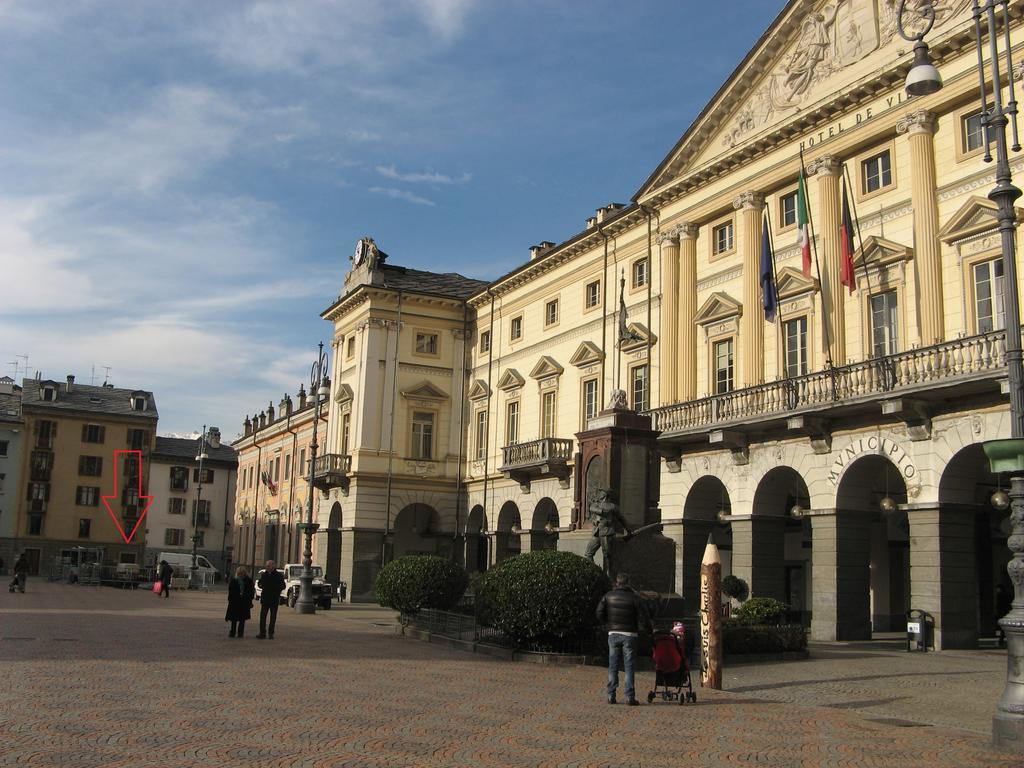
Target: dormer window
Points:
(138, 402)
(49, 394)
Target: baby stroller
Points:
(671, 667)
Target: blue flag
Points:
(768, 292)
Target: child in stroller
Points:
(671, 667)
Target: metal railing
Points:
(536, 452)
(958, 359)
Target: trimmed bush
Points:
(761, 610)
(740, 638)
(420, 581)
(736, 588)
(544, 597)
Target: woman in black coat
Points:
(241, 593)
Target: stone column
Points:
(687, 376)
(669, 346)
(943, 579)
(751, 207)
(841, 574)
(826, 226)
(759, 554)
(460, 414)
(920, 129)
(690, 537)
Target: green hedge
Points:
(761, 610)
(740, 638)
(420, 581)
(541, 597)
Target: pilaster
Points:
(750, 206)
(687, 291)
(669, 348)
(829, 169)
(920, 129)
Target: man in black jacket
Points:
(271, 587)
(624, 613)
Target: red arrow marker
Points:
(144, 501)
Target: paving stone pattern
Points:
(102, 677)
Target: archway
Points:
(779, 542)
(476, 540)
(544, 527)
(871, 575)
(705, 512)
(415, 531)
(509, 528)
(332, 567)
(971, 524)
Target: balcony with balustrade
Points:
(538, 459)
(908, 387)
(332, 470)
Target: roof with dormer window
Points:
(86, 398)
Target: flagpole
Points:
(817, 267)
(860, 238)
(778, 301)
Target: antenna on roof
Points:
(92, 376)
(21, 357)
(106, 375)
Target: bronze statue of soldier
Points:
(608, 524)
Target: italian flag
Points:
(803, 223)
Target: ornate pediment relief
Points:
(479, 390)
(719, 306)
(812, 52)
(586, 354)
(791, 282)
(510, 379)
(975, 216)
(639, 336)
(877, 252)
(344, 394)
(545, 368)
(424, 391)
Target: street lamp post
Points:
(319, 387)
(200, 457)
(1004, 455)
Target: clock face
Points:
(360, 253)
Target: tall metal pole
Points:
(194, 570)
(318, 383)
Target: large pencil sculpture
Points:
(711, 618)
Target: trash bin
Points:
(342, 591)
(920, 630)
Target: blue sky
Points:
(181, 183)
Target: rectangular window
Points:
(87, 496)
(3, 447)
(593, 294)
(179, 478)
(350, 346)
(796, 347)
(200, 539)
(202, 515)
(884, 337)
(40, 465)
(988, 295)
(787, 209)
(346, 429)
(639, 386)
(485, 341)
(512, 423)
(174, 537)
(176, 506)
(589, 400)
(38, 492)
(722, 238)
(35, 525)
(723, 366)
(302, 462)
(551, 312)
(49, 394)
(84, 525)
(973, 132)
(547, 414)
(481, 434)
(422, 435)
(287, 466)
(138, 439)
(46, 431)
(90, 466)
(515, 331)
(426, 343)
(277, 470)
(640, 275)
(877, 172)
(208, 473)
(93, 433)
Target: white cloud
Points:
(390, 172)
(402, 194)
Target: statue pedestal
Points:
(576, 542)
(649, 559)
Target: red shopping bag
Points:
(158, 587)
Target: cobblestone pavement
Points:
(101, 677)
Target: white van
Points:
(181, 562)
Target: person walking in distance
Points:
(271, 587)
(20, 574)
(166, 573)
(624, 613)
(241, 593)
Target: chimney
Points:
(541, 249)
(302, 396)
(71, 382)
(591, 222)
(270, 413)
(607, 211)
(285, 406)
(213, 437)
(247, 426)
(263, 419)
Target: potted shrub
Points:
(410, 583)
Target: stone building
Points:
(272, 489)
(179, 508)
(12, 437)
(833, 451)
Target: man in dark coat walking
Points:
(241, 593)
(20, 574)
(271, 587)
(166, 573)
(624, 613)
